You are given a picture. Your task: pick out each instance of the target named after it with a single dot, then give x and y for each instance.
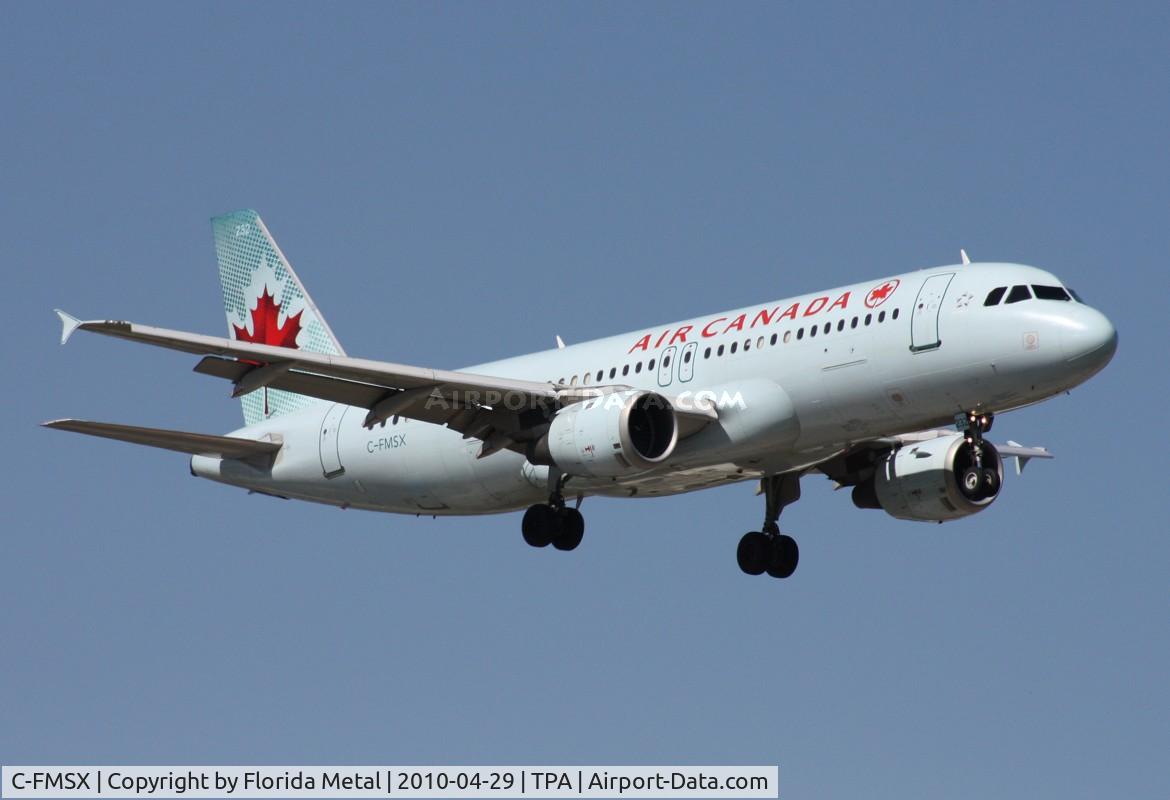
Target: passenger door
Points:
(924, 319)
(330, 440)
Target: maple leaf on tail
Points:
(266, 329)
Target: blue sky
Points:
(457, 183)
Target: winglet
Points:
(69, 324)
(963, 253)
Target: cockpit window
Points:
(1076, 297)
(994, 296)
(1019, 293)
(1050, 292)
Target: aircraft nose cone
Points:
(1090, 341)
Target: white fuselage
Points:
(891, 356)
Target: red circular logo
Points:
(879, 294)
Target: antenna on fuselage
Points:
(963, 253)
(560, 343)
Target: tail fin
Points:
(266, 303)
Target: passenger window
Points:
(760, 341)
(895, 314)
(828, 327)
(868, 318)
(882, 316)
(650, 365)
(773, 339)
(994, 296)
(800, 333)
(626, 370)
(720, 352)
(612, 372)
(840, 326)
(573, 382)
(1019, 293)
(638, 367)
(707, 353)
(585, 379)
(812, 331)
(1050, 293)
(733, 346)
(687, 357)
(747, 345)
(665, 361)
(853, 324)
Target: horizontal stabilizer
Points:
(69, 324)
(1022, 455)
(199, 444)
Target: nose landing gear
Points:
(768, 550)
(980, 479)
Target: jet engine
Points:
(934, 481)
(608, 436)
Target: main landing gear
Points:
(553, 522)
(769, 550)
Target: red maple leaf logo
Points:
(878, 294)
(266, 329)
(265, 324)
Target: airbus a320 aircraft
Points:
(886, 386)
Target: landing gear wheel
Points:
(571, 528)
(971, 482)
(538, 525)
(990, 482)
(753, 553)
(783, 556)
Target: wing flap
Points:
(200, 444)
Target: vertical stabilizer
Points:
(266, 303)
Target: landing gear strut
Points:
(768, 550)
(979, 479)
(553, 522)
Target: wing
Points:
(502, 412)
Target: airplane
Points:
(886, 387)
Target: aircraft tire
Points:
(538, 525)
(572, 529)
(971, 483)
(783, 556)
(990, 482)
(752, 553)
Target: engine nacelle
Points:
(936, 480)
(608, 436)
